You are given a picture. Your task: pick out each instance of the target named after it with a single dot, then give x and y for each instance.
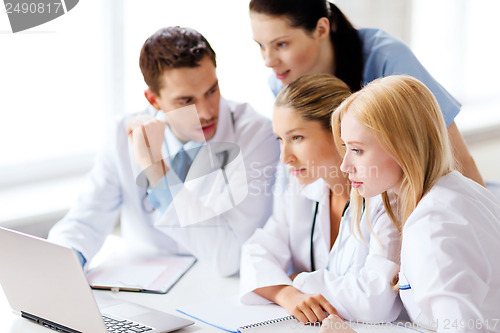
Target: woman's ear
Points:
(323, 28)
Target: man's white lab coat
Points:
(113, 193)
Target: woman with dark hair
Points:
(299, 37)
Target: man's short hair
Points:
(172, 47)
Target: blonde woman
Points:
(396, 144)
(307, 258)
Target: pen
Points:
(115, 290)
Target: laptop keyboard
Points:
(124, 326)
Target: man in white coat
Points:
(223, 192)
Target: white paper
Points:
(155, 274)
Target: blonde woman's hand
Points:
(305, 307)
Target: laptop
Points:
(45, 283)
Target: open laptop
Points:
(45, 283)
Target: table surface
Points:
(199, 284)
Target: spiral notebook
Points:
(230, 315)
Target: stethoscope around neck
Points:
(313, 267)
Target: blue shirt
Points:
(385, 55)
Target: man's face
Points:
(187, 86)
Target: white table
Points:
(200, 283)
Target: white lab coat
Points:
(113, 193)
(450, 272)
(355, 276)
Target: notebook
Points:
(141, 273)
(45, 283)
(230, 315)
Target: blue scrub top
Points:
(385, 55)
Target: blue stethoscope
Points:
(313, 267)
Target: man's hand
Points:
(147, 134)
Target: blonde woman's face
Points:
(371, 169)
(290, 52)
(306, 147)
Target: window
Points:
(457, 45)
(53, 95)
(53, 112)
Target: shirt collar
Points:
(173, 145)
(316, 191)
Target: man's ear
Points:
(323, 27)
(152, 98)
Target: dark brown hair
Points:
(172, 47)
(305, 14)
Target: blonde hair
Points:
(314, 97)
(406, 119)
